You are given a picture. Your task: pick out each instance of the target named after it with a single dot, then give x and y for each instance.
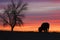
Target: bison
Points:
(44, 27)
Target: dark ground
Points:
(4, 35)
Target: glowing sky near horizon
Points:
(38, 11)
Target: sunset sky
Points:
(38, 11)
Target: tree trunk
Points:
(12, 29)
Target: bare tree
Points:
(12, 15)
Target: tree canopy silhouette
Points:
(12, 15)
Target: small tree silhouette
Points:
(12, 15)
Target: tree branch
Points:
(19, 4)
(4, 19)
(22, 8)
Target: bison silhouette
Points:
(44, 27)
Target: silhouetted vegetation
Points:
(44, 27)
(12, 15)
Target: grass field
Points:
(6, 35)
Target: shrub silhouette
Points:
(44, 27)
